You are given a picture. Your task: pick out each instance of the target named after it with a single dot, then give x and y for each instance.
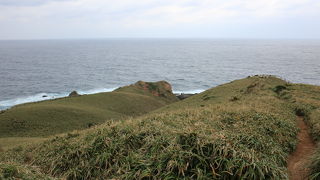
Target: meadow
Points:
(245, 129)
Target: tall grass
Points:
(13, 171)
(249, 138)
(306, 103)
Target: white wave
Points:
(33, 98)
(94, 91)
(189, 91)
(46, 96)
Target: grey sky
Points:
(47, 19)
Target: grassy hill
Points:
(242, 129)
(65, 114)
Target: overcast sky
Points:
(51, 19)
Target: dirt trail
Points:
(298, 159)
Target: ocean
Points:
(35, 70)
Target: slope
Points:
(243, 129)
(66, 114)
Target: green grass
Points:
(212, 135)
(11, 142)
(66, 114)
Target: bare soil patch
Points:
(297, 161)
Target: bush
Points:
(9, 171)
(279, 88)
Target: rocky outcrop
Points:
(74, 94)
(161, 89)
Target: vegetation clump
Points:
(279, 88)
(12, 171)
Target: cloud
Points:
(126, 17)
(26, 2)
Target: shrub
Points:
(9, 171)
(279, 88)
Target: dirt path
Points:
(305, 148)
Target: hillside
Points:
(243, 129)
(308, 98)
(45, 118)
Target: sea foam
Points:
(196, 91)
(6, 104)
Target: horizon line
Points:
(160, 38)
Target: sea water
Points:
(34, 70)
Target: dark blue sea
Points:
(31, 69)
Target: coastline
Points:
(7, 104)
